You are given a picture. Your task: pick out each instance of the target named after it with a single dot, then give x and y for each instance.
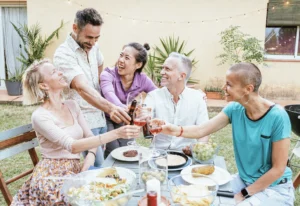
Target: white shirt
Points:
(72, 60)
(190, 109)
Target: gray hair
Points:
(88, 16)
(248, 73)
(186, 64)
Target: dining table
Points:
(134, 166)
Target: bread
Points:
(203, 170)
(107, 171)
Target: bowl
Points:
(204, 152)
(87, 188)
(186, 194)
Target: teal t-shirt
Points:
(252, 140)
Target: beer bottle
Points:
(146, 132)
(131, 110)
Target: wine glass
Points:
(140, 117)
(133, 96)
(154, 129)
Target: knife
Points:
(225, 194)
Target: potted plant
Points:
(213, 92)
(34, 49)
(13, 82)
(213, 88)
(168, 45)
(240, 47)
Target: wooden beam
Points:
(15, 132)
(17, 140)
(34, 156)
(5, 192)
(296, 181)
(8, 152)
(19, 176)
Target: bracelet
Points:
(92, 153)
(181, 131)
(100, 139)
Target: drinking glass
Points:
(140, 117)
(154, 129)
(134, 96)
(130, 97)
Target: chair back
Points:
(12, 142)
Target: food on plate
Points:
(130, 153)
(173, 160)
(192, 195)
(203, 170)
(187, 150)
(111, 172)
(204, 151)
(158, 174)
(98, 191)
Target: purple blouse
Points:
(112, 88)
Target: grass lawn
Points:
(13, 116)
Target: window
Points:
(282, 31)
(9, 39)
(282, 42)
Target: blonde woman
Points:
(62, 133)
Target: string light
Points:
(174, 22)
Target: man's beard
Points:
(81, 44)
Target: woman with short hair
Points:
(261, 133)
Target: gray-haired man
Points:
(175, 102)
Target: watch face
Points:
(245, 193)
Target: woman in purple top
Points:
(126, 77)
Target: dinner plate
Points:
(174, 166)
(220, 175)
(188, 163)
(118, 153)
(124, 173)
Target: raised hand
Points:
(119, 115)
(128, 131)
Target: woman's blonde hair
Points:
(32, 93)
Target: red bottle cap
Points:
(152, 198)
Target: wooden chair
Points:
(13, 142)
(296, 181)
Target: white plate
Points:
(118, 153)
(129, 175)
(188, 163)
(220, 175)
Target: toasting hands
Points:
(168, 129)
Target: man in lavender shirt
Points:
(126, 77)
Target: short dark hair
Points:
(88, 16)
(249, 73)
(141, 55)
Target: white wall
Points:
(203, 37)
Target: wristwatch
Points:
(245, 193)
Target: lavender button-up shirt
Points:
(112, 88)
